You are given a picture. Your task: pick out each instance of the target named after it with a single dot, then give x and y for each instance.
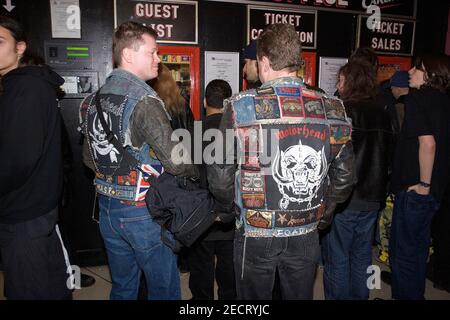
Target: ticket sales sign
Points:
(174, 21)
(387, 36)
(304, 21)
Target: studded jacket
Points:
(290, 159)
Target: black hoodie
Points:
(30, 144)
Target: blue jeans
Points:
(347, 253)
(133, 244)
(409, 244)
(257, 259)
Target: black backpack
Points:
(179, 205)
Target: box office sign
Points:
(405, 8)
(305, 23)
(387, 36)
(174, 21)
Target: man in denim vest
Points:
(294, 162)
(137, 118)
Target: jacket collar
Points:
(283, 81)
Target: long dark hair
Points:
(437, 71)
(360, 81)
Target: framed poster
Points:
(79, 84)
(222, 65)
(388, 65)
(328, 73)
(308, 68)
(66, 18)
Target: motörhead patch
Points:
(299, 167)
(312, 104)
(291, 107)
(339, 134)
(266, 107)
(334, 109)
(255, 201)
(259, 219)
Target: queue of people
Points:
(303, 178)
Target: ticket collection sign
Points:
(304, 21)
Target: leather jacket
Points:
(372, 138)
(310, 161)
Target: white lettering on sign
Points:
(305, 37)
(163, 30)
(386, 27)
(73, 22)
(156, 10)
(386, 44)
(272, 18)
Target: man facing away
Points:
(295, 162)
(138, 119)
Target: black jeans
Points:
(33, 260)
(202, 269)
(257, 259)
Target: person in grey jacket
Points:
(139, 121)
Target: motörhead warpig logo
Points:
(299, 171)
(299, 167)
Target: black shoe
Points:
(441, 285)
(86, 280)
(386, 277)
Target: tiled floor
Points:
(100, 291)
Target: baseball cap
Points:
(249, 52)
(400, 79)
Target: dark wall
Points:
(222, 27)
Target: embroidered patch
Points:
(249, 139)
(266, 107)
(339, 134)
(313, 105)
(253, 200)
(334, 109)
(252, 181)
(291, 107)
(288, 91)
(295, 219)
(259, 219)
(263, 91)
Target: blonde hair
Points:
(168, 90)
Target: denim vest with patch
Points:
(114, 177)
(287, 137)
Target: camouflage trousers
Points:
(384, 229)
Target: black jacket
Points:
(372, 145)
(30, 144)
